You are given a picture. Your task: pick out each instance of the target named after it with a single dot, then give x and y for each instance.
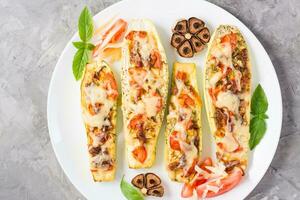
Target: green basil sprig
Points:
(259, 107)
(84, 48)
(130, 192)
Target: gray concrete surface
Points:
(32, 35)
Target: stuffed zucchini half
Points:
(99, 107)
(183, 133)
(144, 91)
(227, 95)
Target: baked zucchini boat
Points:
(227, 95)
(99, 107)
(144, 91)
(183, 132)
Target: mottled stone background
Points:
(33, 33)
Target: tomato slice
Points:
(187, 190)
(120, 32)
(174, 143)
(140, 154)
(111, 35)
(226, 184)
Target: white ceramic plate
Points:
(64, 114)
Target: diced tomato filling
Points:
(213, 92)
(231, 39)
(181, 76)
(159, 104)
(140, 153)
(136, 122)
(155, 59)
(185, 100)
(111, 85)
(174, 143)
(91, 109)
(137, 75)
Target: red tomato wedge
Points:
(201, 184)
(111, 35)
(187, 190)
(226, 184)
(140, 154)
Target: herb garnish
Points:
(86, 28)
(258, 126)
(130, 192)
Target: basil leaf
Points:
(79, 45)
(259, 101)
(83, 45)
(79, 62)
(90, 46)
(85, 25)
(130, 192)
(258, 128)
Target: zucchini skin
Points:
(242, 136)
(147, 26)
(190, 69)
(100, 175)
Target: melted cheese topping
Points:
(222, 52)
(229, 142)
(215, 78)
(236, 133)
(229, 100)
(137, 108)
(150, 82)
(145, 47)
(190, 151)
(96, 94)
(150, 104)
